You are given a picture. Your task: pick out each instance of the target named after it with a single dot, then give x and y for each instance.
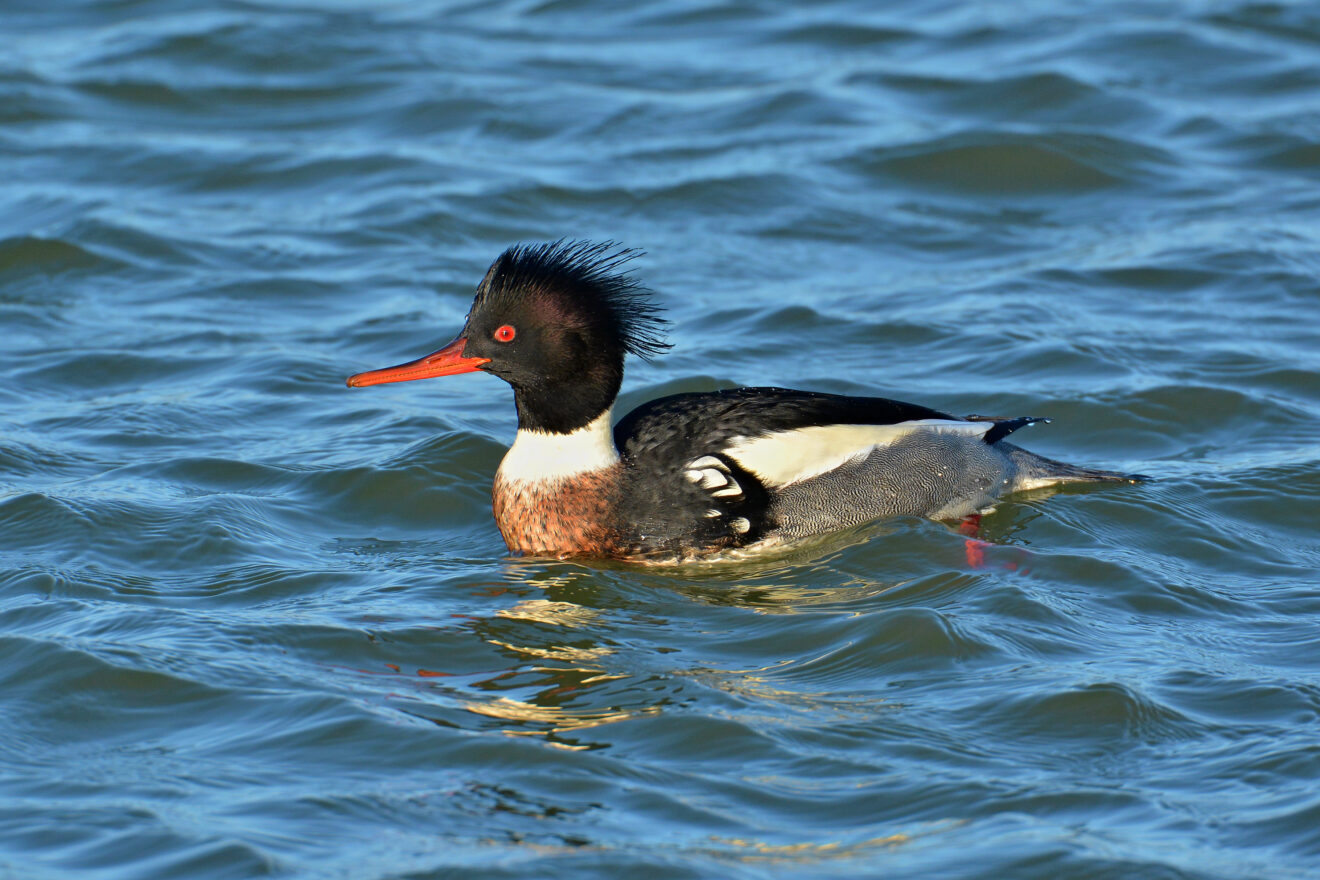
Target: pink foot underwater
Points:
(976, 548)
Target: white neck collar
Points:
(539, 456)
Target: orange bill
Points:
(448, 361)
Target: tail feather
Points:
(1002, 427)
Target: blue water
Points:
(253, 623)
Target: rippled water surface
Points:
(253, 623)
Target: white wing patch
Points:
(709, 472)
(714, 476)
(787, 457)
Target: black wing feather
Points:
(705, 421)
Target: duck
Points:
(695, 475)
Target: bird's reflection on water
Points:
(588, 645)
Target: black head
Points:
(555, 321)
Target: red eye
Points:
(505, 333)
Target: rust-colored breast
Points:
(566, 517)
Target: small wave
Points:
(834, 36)
(1106, 713)
(29, 254)
(1002, 163)
(1019, 99)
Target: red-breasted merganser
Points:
(694, 474)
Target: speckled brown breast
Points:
(560, 517)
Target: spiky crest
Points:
(588, 272)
